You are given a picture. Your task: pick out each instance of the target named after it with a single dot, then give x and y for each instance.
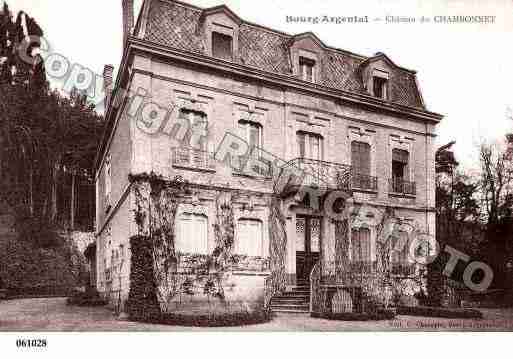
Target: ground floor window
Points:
(400, 249)
(361, 245)
(249, 238)
(192, 234)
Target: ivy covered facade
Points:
(211, 235)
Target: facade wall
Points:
(243, 285)
(113, 252)
(226, 98)
(120, 153)
(282, 114)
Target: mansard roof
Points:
(178, 25)
(221, 9)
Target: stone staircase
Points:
(296, 300)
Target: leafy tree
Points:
(48, 141)
(458, 216)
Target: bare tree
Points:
(496, 189)
(496, 181)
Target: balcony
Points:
(364, 182)
(400, 186)
(191, 158)
(320, 174)
(255, 166)
(403, 270)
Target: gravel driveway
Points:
(52, 314)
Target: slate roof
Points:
(177, 25)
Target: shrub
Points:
(233, 319)
(142, 304)
(439, 312)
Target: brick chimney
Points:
(128, 18)
(108, 71)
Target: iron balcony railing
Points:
(403, 269)
(255, 165)
(364, 182)
(191, 157)
(399, 185)
(317, 173)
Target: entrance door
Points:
(308, 242)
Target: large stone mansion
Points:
(314, 106)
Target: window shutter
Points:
(192, 234)
(361, 245)
(360, 157)
(301, 144)
(254, 135)
(249, 238)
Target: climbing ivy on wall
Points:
(278, 246)
(380, 288)
(156, 205)
(224, 230)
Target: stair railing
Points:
(269, 290)
(315, 288)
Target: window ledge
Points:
(194, 168)
(242, 174)
(403, 195)
(251, 273)
(364, 190)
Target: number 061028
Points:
(31, 343)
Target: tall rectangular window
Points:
(360, 158)
(252, 133)
(191, 132)
(249, 240)
(192, 236)
(400, 249)
(310, 145)
(306, 68)
(222, 46)
(361, 245)
(380, 87)
(400, 159)
(197, 125)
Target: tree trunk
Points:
(55, 178)
(72, 206)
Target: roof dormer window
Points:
(380, 87)
(307, 69)
(222, 46)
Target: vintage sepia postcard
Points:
(243, 166)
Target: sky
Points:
(464, 70)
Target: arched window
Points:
(249, 238)
(361, 245)
(192, 234)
